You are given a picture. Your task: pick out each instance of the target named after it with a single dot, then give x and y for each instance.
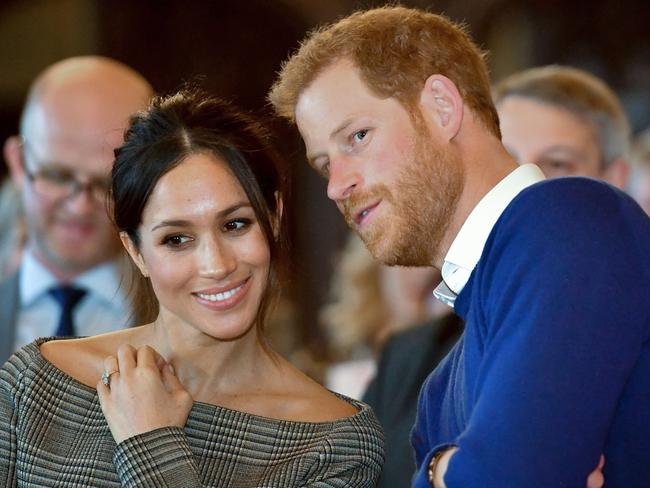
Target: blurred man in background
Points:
(68, 280)
(566, 121)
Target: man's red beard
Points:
(422, 204)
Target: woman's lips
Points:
(223, 298)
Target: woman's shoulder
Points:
(82, 358)
(306, 400)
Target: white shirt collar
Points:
(467, 247)
(102, 280)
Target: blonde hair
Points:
(580, 93)
(356, 309)
(395, 49)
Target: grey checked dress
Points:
(53, 434)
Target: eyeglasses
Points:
(59, 184)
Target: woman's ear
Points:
(442, 105)
(133, 251)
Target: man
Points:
(550, 277)
(565, 121)
(69, 278)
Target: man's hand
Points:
(595, 479)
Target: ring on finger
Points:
(106, 377)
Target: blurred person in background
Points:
(12, 221)
(566, 121)
(368, 303)
(639, 186)
(68, 279)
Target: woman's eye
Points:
(176, 240)
(237, 225)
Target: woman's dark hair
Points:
(188, 122)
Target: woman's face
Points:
(203, 249)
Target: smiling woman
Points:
(195, 398)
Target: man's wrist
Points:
(433, 466)
(438, 466)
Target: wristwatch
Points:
(434, 464)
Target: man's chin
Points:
(75, 260)
(393, 252)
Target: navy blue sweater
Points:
(554, 366)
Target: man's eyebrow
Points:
(344, 125)
(563, 148)
(311, 157)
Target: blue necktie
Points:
(67, 297)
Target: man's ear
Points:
(442, 105)
(133, 251)
(618, 173)
(13, 154)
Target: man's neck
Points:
(63, 274)
(485, 165)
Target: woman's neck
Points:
(205, 365)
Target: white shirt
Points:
(467, 247)
(104, 308)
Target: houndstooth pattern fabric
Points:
(54, 434)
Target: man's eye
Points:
(360, 135)
(324, 170)
(57, 177)
(557, 164)
(176, 240)
(237, 225)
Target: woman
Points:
(195, 398)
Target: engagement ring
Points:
(106, 377)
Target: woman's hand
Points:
(143, 393)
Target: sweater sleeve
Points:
(157, 459)
(562, 315)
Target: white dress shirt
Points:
(467, 247)
(104, 308)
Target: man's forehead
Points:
(335, 96)
(48, 128)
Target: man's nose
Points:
(344, 177)
(82, 201)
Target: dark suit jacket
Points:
(9, 305)
(405, 362)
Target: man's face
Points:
(74, 233)
(391, 182)
(554, 139)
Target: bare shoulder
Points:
(83, 358)
(311, 402)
